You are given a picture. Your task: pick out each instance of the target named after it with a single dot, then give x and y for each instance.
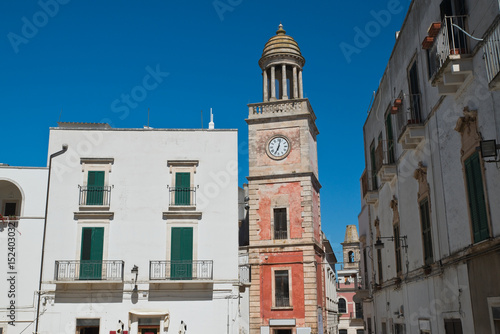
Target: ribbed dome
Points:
(281, 45)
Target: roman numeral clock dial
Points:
(278, 147)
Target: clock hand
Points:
(277, 149)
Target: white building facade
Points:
(430, 218)
(142, 231)
(22, 200)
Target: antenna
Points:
(148, 117)
(60, 114)
(202, 119)
(211, 124)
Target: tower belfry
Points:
(285, 238)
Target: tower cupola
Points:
(281, 65)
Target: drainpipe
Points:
(53, 155)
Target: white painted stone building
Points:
(142, 232)
(22, 200)
(430, 218)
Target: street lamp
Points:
(135, 270)
(380, 245)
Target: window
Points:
(374, 166)
(282, 331)
(280, 224)
(281, 289)
(399, 329)
(495, 314)
(477, 203)
(182, 189)
(342, 305)
(384, 328)
(369, 325)
(95, 189)
(397, 249)
(342, 331)
(87, 326)
(426, 231)
(360, 331)
(452, 326)
(181, 253)
(414, 88)
(359, 310)
(10, 209)
(91, 253)
(390, 139)
(350, 256)
(379, 266)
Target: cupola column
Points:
(295, 88)
(283, 83)
(301, 87)
(264, 85)
(273, 84)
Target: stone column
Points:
(295, 87)
(283, 82)
(265, 89)
(301, 87)
(273, 84)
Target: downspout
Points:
(53, 155)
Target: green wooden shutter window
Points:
(95, 187)
(182, 189)
(374, 166)
(426, 231)
(91, 253)
(477, 203)
(181, 253)
(390, 142)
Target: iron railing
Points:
(181, 270)
(95, 195)
(280, 234)
(410, 115)
(369, 182)
(180, 196)
(451, 40)
(281, 301)
(106, 270)
(384, 154)
(491, 50)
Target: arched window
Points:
(351, 256)
(10, 199)
(342, 305)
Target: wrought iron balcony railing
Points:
(89, 270)
(182, 196)
(491, 51)
(95, 195)
(451, 40)
(181, 270)
(384, 154)
(410, 114)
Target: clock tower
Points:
(286, 243)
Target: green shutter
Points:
(390, 142)
(426, 231)
(477, 203)
(91, 253)
(181, 253)
(182, 188)
(95, 187)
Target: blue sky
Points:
(83, 57)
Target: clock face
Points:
(278, 147)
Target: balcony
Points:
(95, 196)
(98, 271)
(491, 50)
(450, 63)
(182, 197)
(244, 269)
(385, 161)
(181, 270)
(410, 123)
(369, 186)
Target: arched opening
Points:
(10, 199)
(342, 305)
(350, 257)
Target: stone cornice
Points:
(315, 180)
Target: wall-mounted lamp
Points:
(380, 245)
(135, 270)
(489, 148)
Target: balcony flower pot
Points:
(434, 28)
(398, 102)
(427, 42)
(394, 110)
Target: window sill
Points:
(281, 308)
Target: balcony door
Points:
(181, 253)
(95, 187)
(91, 253)
(182, 188)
